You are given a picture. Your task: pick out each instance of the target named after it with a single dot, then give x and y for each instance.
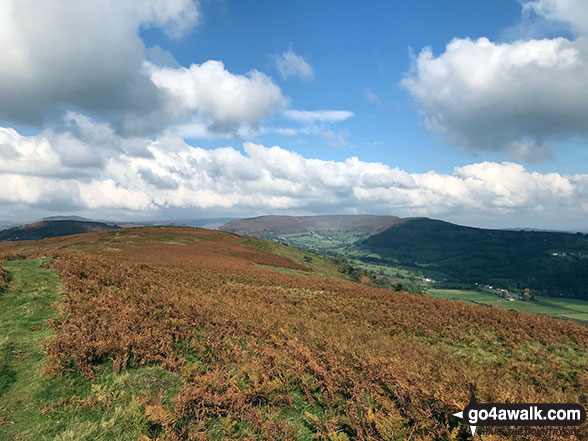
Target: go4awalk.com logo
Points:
(541, 415)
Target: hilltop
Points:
(176, 333)
(52, 228)
(271, 226)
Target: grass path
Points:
(34, 408)
(24, 309)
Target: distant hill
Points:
(211, 224)
(556, 263)
(51, 228)
(271, 226)
(71, 218)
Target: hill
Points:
(180, 334)
(272, 226)
(551, 263)
(408, 251)
(51, 228)
(70, 218)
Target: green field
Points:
(325, 240)
(573, 309)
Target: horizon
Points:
(466, 111)
(17, 223)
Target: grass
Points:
(321, 266)
(26, 304)
(68, 407)
(573, 309)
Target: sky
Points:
(470, 111)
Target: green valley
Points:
(497, 267)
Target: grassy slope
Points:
(317, 265)
(36, 408)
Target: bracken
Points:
(254, 346)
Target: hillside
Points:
(272, 226)
(407, 250)
(551, 263)
(52, 228)
(184, 334)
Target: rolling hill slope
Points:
(180, 334)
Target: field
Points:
(188, 334)
(572, 309)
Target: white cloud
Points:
(166, 174)
(290, 64)
(161, 57)
(574, 12)
(88, 55)
(312, 116)
(490, 96)
(515, 97)
(223, 101)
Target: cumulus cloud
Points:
(513, 97)
(289, 64)
(572, 12)
(167, 174)
(88, 56)
(223, 101)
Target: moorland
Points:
(189, 334)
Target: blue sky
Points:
(470, 111)
(354, 49)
